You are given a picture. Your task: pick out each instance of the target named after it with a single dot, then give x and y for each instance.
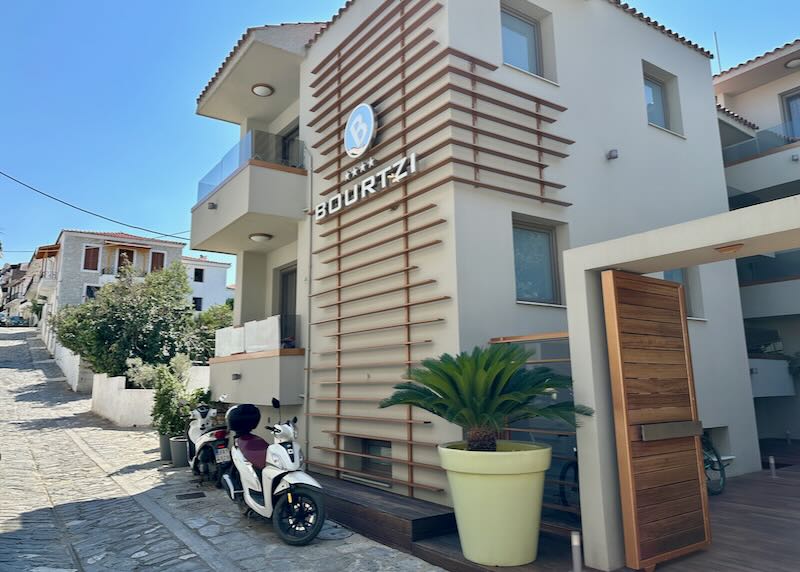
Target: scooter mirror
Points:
(275, 403)
(294, 420)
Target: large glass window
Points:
(535, 263)
(655, 96)
(521, 43)
(791, 104)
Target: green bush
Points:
(151, 320)
(208, 322)
(172, 402)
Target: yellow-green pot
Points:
(497, 498)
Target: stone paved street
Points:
(78, 494)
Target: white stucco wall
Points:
(214, 288)
(123, 407)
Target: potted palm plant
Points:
(496, 485)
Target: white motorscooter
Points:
(267, 479)
(207, 446)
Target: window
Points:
(662, 98)
(197, 304)
(535, 263)
(156, 261)
(657, 112)
(91, 292)
(791, 110)
(125, 257)
(287, 303)
(521, 42)
(91, 258)
(372, 466)
(689, 278)
(198, 274)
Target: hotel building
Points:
(506, 134)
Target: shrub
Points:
(151, 320)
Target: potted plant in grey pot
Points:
(496, 485)
(170, 414)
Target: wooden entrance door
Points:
(660, 457)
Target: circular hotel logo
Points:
(360, 130)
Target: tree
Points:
(485, 390)
(151, 320)
(208, 322)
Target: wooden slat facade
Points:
(379, 291)
(662, 482)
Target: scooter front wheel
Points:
(299, 515)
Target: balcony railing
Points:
(254, 146)
(764, 141)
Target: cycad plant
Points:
(485, 390)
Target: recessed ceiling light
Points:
(793, 64)
(260, 237)
(729, 248)
(262, 90)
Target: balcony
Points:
(258, 187)
(46, 286)
(770, 376)
(765, 141)
(770, 284)
(109, 274)
(252, 363)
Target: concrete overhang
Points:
(256, 199)
(269, 55)
(759, 71)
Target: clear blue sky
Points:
(97, 98)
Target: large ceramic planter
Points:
(497, 498)
(163, 448)
(180, 456)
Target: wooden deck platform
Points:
(390, 519)
(754, 526)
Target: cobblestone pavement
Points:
(78, 494)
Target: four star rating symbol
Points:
(359, 169)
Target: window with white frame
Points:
(90, 292)
(662, 98)
(91, 258)
(522, 42)
(791, 112)
(535, 263)
(655, 97)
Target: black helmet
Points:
(243, 418)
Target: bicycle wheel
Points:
(715, 470)
(568, 485)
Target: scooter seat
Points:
(254, 449)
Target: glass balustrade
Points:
(254, 146)
(765, 140)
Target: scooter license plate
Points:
(222, 455)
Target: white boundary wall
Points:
(132, 407)
(123, 407)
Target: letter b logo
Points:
(360, 130)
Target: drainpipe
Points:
(306, 399)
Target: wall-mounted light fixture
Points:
(612, 154)
(212, 206)
(260, 237)
(796, 158)
(792, 64)
(236, 376)
(730, 248)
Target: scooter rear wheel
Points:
(298, 522)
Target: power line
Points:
(92, 213)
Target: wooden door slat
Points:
(659, 415)
(648, 314)
(653, 356)
(648, 300)
(647, 448)
(637, 326)
(663, 461)
(670, 508)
